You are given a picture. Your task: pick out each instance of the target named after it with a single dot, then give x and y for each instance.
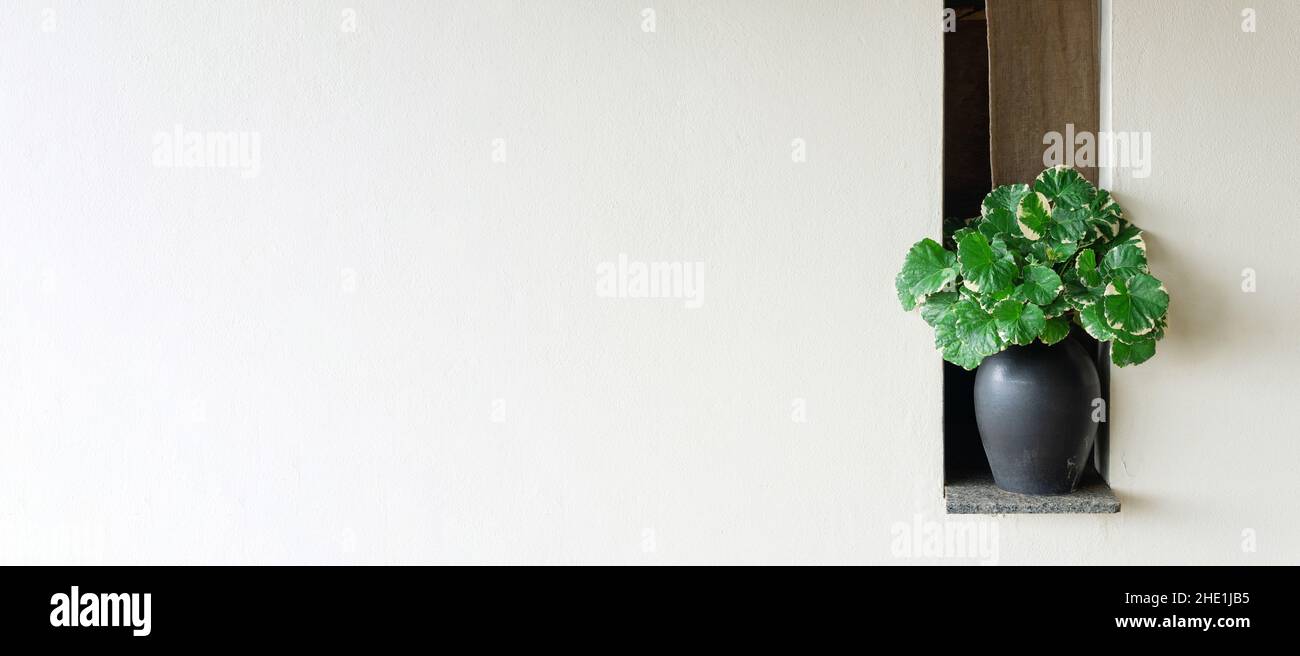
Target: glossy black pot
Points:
(1033, 406)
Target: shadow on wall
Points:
(1188, 329)
(1194, 328)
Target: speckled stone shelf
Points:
(975, 494)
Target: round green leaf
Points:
(1041, 285)
(1092, 321)
(976, 328)
(999, 209)
(1065, 186)
(1054, 330)
(982, 268)
(1070, 196)
(962, 356)
(926, 270)
(1125, 260)
(1136, 353)
(1134, 306)
(1018, 323)
(951, 346)
(937, 306)
(1034, 216)
(1069, 224)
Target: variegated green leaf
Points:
(1125, 260)
(1054, 330)
(1069, 224)
(958, 353)
(1070, 196)
(954, 350)
(1018, 322)
(1051, 251)
(1135, 305)
(1041, 285)
(1086, 263)
(937, 306)
(976, 328)
(1079, 294)
(1138, 352)
(1034, 216)
(1065, 186)
(926, 270)
(1156, 333)
(1056, 308)
(1126, 338)
(982, 268)
(1128, 234)
(1105, 216)
(999, 209)
(987, 301)
(1092, 321)
(945, 337)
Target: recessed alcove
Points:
(968, 174)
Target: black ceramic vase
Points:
(1033, 406)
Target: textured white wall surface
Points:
(382, 339)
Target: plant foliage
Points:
(1036, 259)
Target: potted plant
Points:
(1002, 292)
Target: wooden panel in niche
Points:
(1042, 77)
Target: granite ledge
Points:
(975, 494)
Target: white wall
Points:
(302, 366)
(183, 379)
(1205, 436)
